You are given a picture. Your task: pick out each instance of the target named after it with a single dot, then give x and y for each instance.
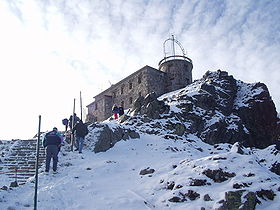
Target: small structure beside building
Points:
(174, 72)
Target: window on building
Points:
(130, 100)
(130, 85)
(139, 79)
(114, 94)
(122, 88)
(95, 106)
(139, 94)
(122, 103)
(172, 76)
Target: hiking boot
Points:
(76, 149)
(54, 171)
(46, 171)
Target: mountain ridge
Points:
(161, 156)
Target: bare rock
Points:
(266, 194)
(207, 197)
(275, 168)
(198, 182)
(218, 175)
(233, 201)
(107, 137)
(176, 199)
(147, 171)
(149, 106)
(14, 184)
(192, 195)
(4, 187)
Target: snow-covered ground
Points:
(111, 180)
(183, 174)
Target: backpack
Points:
(65, 121)
(84, 130)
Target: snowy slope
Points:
(111, 180)
(170, 165)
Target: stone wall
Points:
(125, 92)
(173, 74)
(179, 73)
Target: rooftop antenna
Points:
(172, 54)
(173, 49)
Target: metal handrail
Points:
(173, 57)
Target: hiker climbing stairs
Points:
(19, 163)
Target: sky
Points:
(50, 50)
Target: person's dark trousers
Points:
(80, 143)
(51, 153)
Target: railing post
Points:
(72, 135)
(37, 163)
(16, 175)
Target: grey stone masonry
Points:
(179, 73)
(174, 73)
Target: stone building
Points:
(174, 72)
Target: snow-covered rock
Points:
(217, 109)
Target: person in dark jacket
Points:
(76, 119)
(121, 111)
(65, 122)
(52, 142)
(80, 130)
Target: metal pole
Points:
(72, 135)
(37, 164)
(16, 174)
(173, 45)
(81, 105)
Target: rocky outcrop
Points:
(233, 200)
(107, 136)
(149, 106)
(275, 168)
(216, 108)
(218, 175)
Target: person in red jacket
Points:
(115, 111)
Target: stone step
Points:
(18, 159)
(25, 152)
(17, 164)
(13, 170)
(26, 155)
(21, 160)
(21, 175)
(26, 168)
(25, 148)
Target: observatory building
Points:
(174, 72)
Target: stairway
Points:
(19, 163)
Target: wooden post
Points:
(37, 163)
(81, 105)
(72, 135)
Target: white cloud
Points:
(50, 50)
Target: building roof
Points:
(126, 78)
